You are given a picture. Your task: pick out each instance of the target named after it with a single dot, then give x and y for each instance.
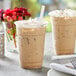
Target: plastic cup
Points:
(63, 28)
(31, 46)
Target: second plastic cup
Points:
(64, 34)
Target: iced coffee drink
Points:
(31, 44)
(64, 23)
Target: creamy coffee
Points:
(31, 44)
(64, 24)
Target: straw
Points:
(42, 12)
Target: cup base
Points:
(65, 52)
(31, 65)
(27, 67)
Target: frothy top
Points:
(63, 13)
(31, 23)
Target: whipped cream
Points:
(63, 13)
(31, 23)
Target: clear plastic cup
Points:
(63, 28)
(31, 44)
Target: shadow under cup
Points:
(64, 34)
(31, 46)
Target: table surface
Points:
(9, 65)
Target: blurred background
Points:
(34, 7)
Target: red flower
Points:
(14, 17)
(9, 19)
(8, 10)
(27, 14)
(4, 16)
(20, 18)
(14, 13)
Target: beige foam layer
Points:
(63, 13)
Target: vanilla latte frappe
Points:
(64, 24)
(31, 44)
